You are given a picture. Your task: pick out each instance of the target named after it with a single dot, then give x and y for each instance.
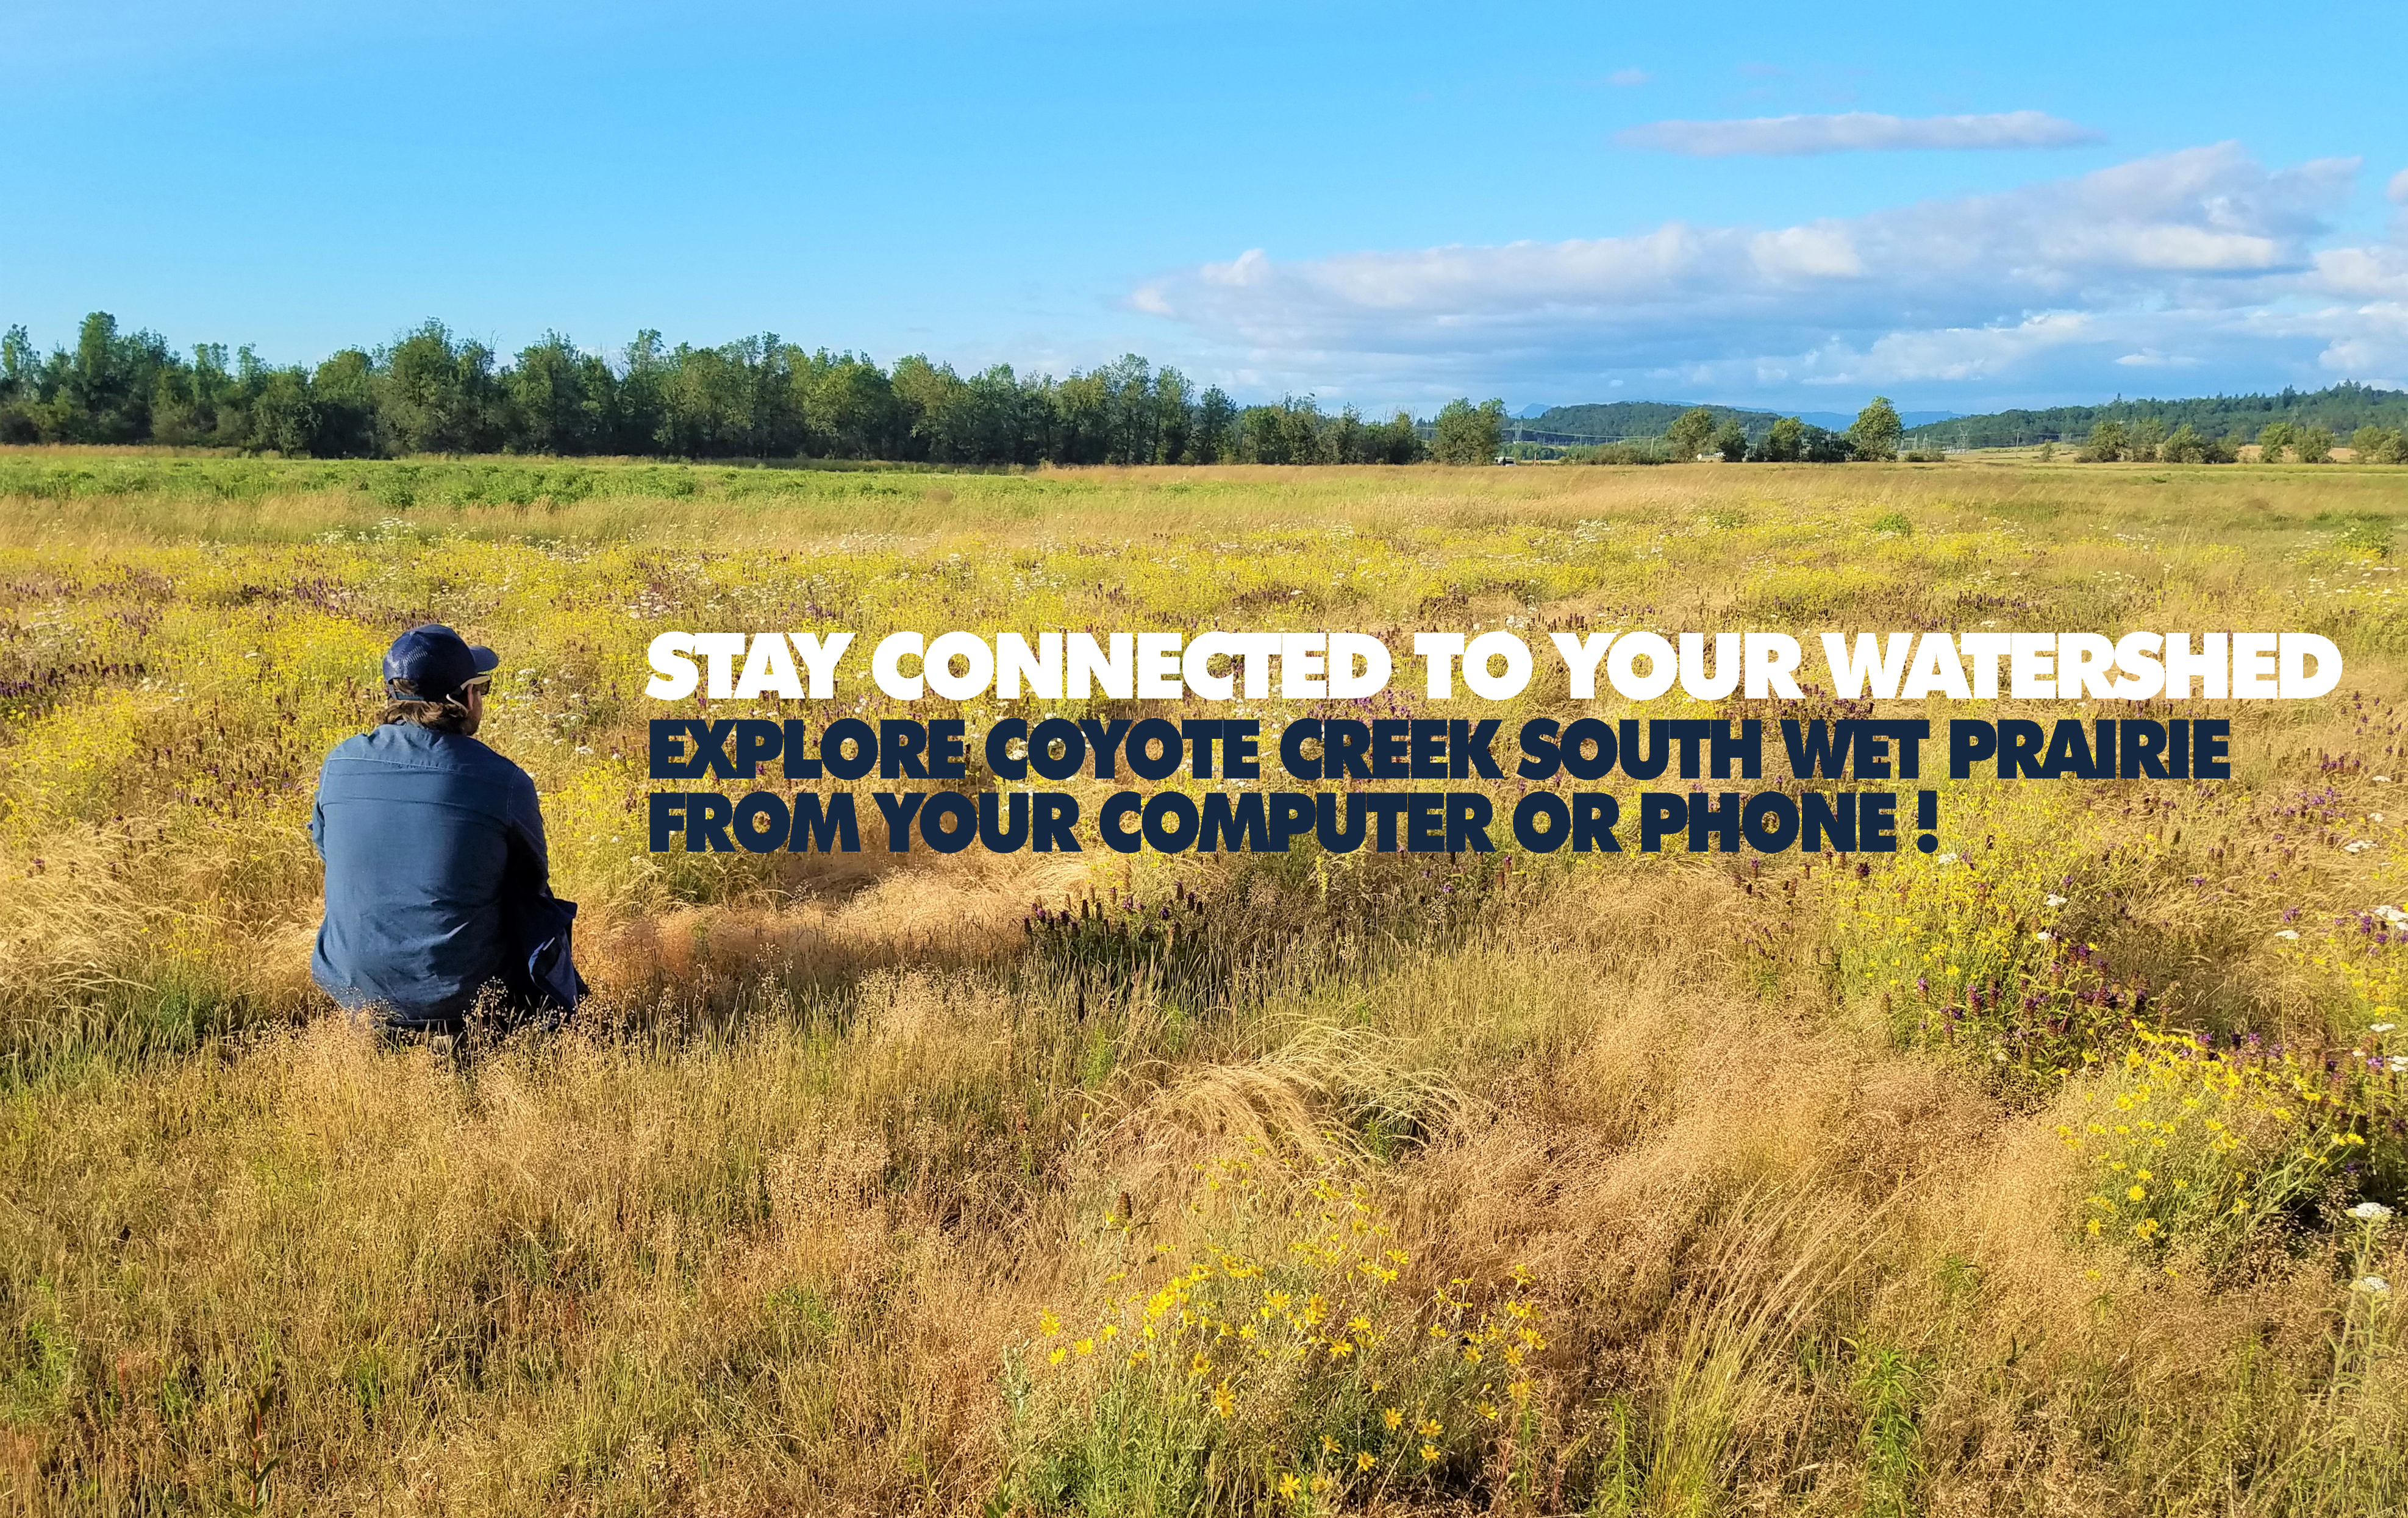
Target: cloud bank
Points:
(1858, 131)
(2201, 263)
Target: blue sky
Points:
(1388, 204)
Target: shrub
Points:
(2108, 443)
(2367, 536)
(2192, 1150)
(2377, 445)
(1630, 450)
(1281, 1361)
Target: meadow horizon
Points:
(2045, 1173)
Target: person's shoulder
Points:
(350, 747)
(358, 746)
(416, 746)
(471, 755)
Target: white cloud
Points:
(2399, 188)
(1856, 131)
(1624, 79)
(2376, 271)
(2201, 259)
(1805, 252)
(2372, 342)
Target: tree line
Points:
(1702, 432)
(2147, 441)
(1709, 432)
(2234, 421)
(431, 392)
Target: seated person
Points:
(438, 882)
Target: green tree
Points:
(1468, 434)
(1875, 434)
(19, 366)
(101, 392)
(1346, 436)
(344, 392)
(1689, 433)
(1398, 441)
(1260, 436)
(284, 419)
(848, 408)
(1304, 432)
(1730, 441)
(1174, 411)
(438, 395)
(2184, 445)
(1785, 443)
(1215, 436)
(561, 399)
(2108, 442)
(2377, 445)
(20, 387)
(2272, 439)
(2313, 444)
(1821, 445)
(2148, 440)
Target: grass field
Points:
(2015, 1179)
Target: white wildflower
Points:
(2382, 780)
(2375, 816)
(2371, 1285)
(2056, 901)
(2046, 937)
(2288, 935)
(2382, 1027)
(2357, 846)
(2392, 916)
(1945, 859)
(2370, 1213)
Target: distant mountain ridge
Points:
(2341, 410)
(1613, 421)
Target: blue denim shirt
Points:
(429, 840)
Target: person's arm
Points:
(526, 833)
(318, 824)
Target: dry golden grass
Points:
(775, 1229)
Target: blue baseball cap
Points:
(437, 662)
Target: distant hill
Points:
(2342, 409)
(1613, 421)
(1618, 420)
